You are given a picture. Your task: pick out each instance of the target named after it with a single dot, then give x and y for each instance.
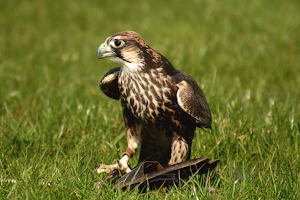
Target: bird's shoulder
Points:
(191, 99)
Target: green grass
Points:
(56, 125)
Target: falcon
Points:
(161, 105)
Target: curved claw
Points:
(111, 176)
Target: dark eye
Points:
(118, 43)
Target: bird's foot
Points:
(121, 166)
(106, 168)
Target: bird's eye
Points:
(118, 43)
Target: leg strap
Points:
(129, 152)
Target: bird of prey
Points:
(161, 105)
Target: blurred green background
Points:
(55, 124)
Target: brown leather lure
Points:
(151, 174)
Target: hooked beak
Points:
(105, 51)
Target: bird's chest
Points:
(149, 97)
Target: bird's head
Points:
(129, 50)
(123, 48)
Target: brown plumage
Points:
(161, 106)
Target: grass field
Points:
(56, 125)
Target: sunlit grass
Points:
(56, 125)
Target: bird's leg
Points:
(133, 139)
(180, 151)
